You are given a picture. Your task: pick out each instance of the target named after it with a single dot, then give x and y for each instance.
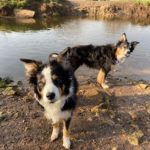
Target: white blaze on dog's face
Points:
(49, 81)
(50, 92)
(122, 50)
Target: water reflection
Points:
(22, 25)
(37, 38)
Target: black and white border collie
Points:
(101, 57)
(55, 88)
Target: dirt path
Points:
(115, 119)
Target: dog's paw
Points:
(105, 86)
(66, 142)
(54, 135)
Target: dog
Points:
(101, 57)
(55, 88)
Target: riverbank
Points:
(113, 9)
(113, 119)
(36, 9)
(99, 9)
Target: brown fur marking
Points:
(101, 77)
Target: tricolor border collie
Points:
(101, 57)
(55, 88)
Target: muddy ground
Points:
(116, 119)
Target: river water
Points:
(37, 39)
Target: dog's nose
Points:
(128, 52)
(50, 96)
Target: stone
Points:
(2, 116)
(9, 91)
(135, 137)
(24, 13)
(143, 85)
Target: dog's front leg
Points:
(55, 132)
(101, 79)
(66, 136)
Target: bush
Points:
(23, 3)
(13, 3)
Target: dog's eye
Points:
(125, 46)
(40, 85)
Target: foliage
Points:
(12, 3)
(23, 3)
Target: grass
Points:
(139, 1)
(23, 3)
(145, 2)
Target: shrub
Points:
(23, 3)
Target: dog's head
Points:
(124, 48)
(51, 81)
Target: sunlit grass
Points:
(139, 1)
(134, 1)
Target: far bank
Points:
(102, 9)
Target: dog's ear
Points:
(123, 38)
(133, 45)
(31, 66)
(54, 59)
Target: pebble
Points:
(90, 119)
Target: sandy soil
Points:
(118, 118)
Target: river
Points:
(37, 39)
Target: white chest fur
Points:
(53, 111)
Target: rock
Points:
(147, 108)
(1, 102)
(24, 13)
(26, 129)
(143, 85)
(90, 119)
(133, 115)
(16, 115)
(114, 148)
(133, 140)
(134, 137)
(95, 109)
(2, 116)
(9, 91)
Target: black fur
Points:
(98, 57)
(93, 56)
(70, 103)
